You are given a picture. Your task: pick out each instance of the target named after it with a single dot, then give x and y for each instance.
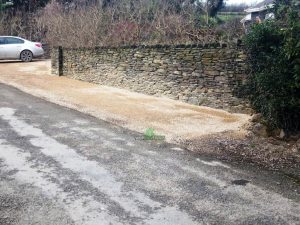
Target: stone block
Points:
(212, 72)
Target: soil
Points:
(266, 152)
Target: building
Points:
(258, 13)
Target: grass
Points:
(225, 17)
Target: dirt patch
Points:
(270, 153)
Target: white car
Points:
(19, 48)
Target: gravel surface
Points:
(58, 166)
(173, 119)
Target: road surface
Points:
(58, 166)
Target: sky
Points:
(242, 1)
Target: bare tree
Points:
(209, 7)
(91, 23)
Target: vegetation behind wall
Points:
(89, 23)
(274, 51)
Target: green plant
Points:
(149, 134)
(274, 85)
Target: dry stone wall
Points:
(208, 75)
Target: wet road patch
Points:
(240, 182)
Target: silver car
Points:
(19, 48)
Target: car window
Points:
(11, 40)
(2, 41)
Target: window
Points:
(11, 40)
(2, 41)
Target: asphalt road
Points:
(58, 166)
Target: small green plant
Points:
(149, 134)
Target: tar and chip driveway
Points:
(58, 166)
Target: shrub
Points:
(274, 84)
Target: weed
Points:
(150, 135)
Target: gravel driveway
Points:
(58, 166)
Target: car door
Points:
(13, 47)
(2, 52)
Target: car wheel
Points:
(26, 56)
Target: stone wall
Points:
(202, 75)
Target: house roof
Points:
(261, 6)
(246, 18)
(263, 3)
